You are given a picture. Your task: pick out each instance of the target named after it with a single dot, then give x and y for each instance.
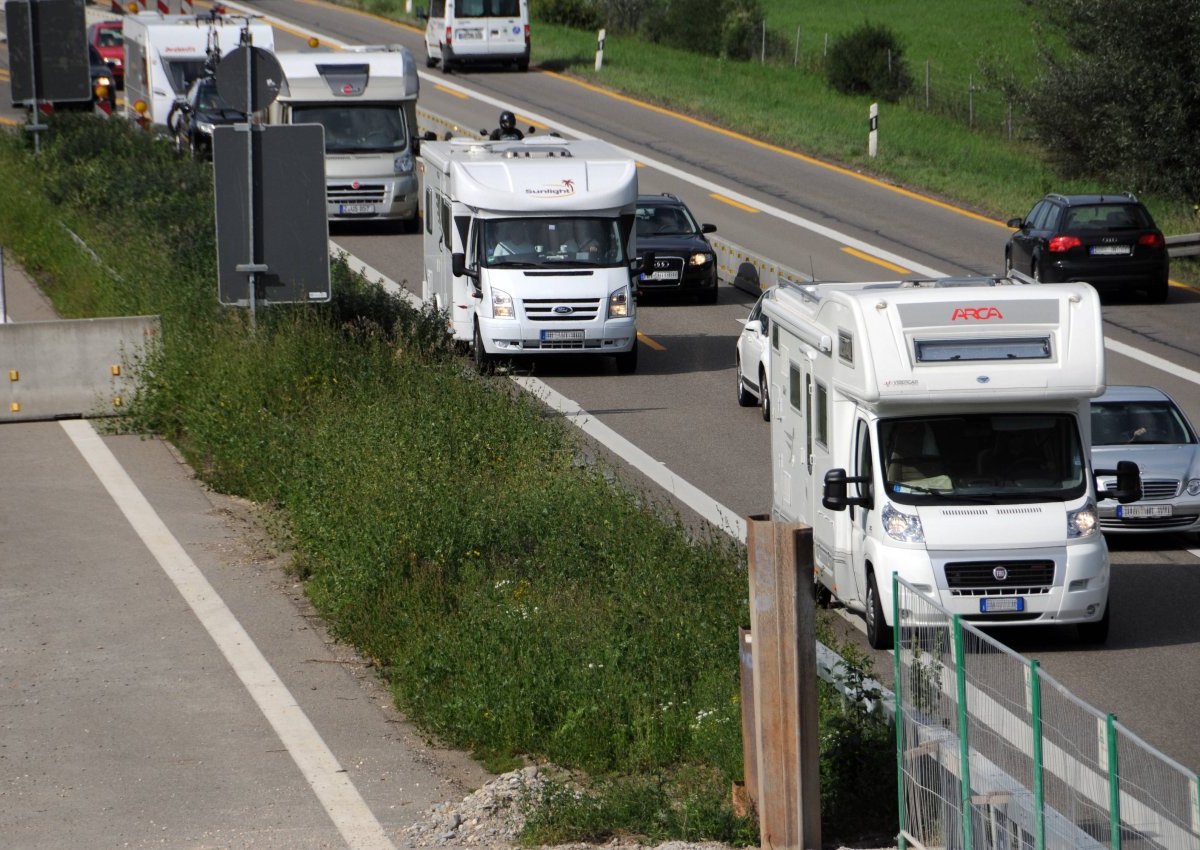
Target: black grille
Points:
(981, 574)
(561, 309)
(665, 264)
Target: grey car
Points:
(1144, 425)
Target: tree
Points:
(1119, 93)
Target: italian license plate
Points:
(1142, 511)
(661, 276)
(1112, 250)
(559, 336)
(356, 209)
(999, 604)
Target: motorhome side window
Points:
(795, 392)
(447, 236)
(866, 458)
(821, 418)
(429, 211)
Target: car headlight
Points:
(205, 127)
(901, 526)
(700, 258)
(103, 81)
(619, 305)
(502, 305)
(403, 164)
(1193, 486)
(1083, 522)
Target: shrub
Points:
(869, 61)
(580, 14)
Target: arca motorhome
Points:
(940, 430)
(529, 246)
(366, 99)
(165, 54)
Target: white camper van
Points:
(459, 32)
(529, 246)
(366, 99)
(940, 430)
(164, 54)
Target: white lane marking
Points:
(320, 767)
(1149, 359)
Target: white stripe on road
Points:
(321, 769)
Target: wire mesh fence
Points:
(992, 752)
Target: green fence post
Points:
(964, 735)
(903, 842)
(1114, 784)
(1039, 791)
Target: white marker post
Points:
(599, 49)
(873, 131)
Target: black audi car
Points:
(683, 258)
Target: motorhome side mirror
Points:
(834, 497)
(645, 266)
(458, 265)
(1129, 482)
(708, 228)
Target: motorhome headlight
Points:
(619, 305)
(1083, 522)
(403, 164)
(502, 305)
(1193, 486)
(700, 258)
(901, 526)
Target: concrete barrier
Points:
(72, 368)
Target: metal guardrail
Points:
(1184, 245)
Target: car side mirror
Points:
(708, 228)
(1129, 483)
(835, 496)
(458, 265)
(1017, 223)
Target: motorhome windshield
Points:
(357, 128)
(551, 242)
(994, 457)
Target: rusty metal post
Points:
(749, 745)
(783, 625)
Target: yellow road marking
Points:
(457, 94)
(738, 204)
(650, 342)
(11, 122)
(892, 266)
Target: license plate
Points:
(997, 604)
(1112, 250)
(1132, 511)
(558, 336)
(356, 209)
(468, 35)
(661, 276)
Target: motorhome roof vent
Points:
(544, 153)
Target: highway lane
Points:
(679, 408)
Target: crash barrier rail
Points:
(1183, 245)
(750, 271)
(992, 752)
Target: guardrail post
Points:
(964, 737)
(1039, 787)
(786, 737)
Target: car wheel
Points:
(1097, 632)
(709, 295)
(1156, 293)
(744, 396)
(627, 360)
(179, 149)
(523, 65)
(764, 394)
(430, 61)
(484, 364)
(879, 635)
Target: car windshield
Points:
(488, 8)
(361, 128)
(1120, 423)
(207, 98)
(551, 242)
(1107, 217)
(664, 220)
(110, 38)
(992, 457)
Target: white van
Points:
(461, 32)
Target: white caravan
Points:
(164, 54)
(366, 99)
(529, 246)
(940, 430)
(458, 32)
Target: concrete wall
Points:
(71, 368)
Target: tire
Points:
(627, 360)
(484, 364)
(764, 395)
(710, 295)
(430, 62)
(1095, 633)
(879, 634)
(744, 397)
(523, 65)
(1156, 293)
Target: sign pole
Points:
(253, 267)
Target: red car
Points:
(109, 40)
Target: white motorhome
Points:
(940, 430)
(529, 246)
(366, 99)
(164, 54)
(458, 32)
